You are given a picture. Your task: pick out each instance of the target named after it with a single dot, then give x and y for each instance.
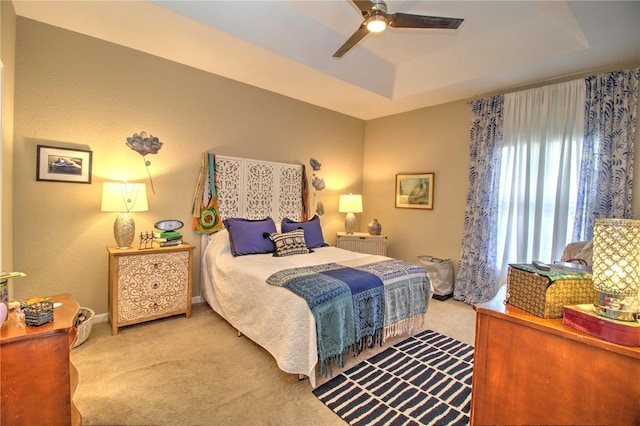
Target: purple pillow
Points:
(312, 230)
(248, 236)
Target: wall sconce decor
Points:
(143, 145)
(317, 183)
(350, 204)
(124, 198)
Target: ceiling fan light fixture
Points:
(377, 22)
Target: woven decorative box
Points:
(544, 293)
(38, 313)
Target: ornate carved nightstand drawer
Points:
(149, 284)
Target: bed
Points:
(266, 297)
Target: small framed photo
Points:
(414, 191)
(63, 165)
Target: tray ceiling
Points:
(287, 46)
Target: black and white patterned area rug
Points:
(423, 380)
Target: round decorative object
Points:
(374, 227)
(4, 301)
(4, 294)
(4, 312)
(209, 219)
(169, 225)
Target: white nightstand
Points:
(148, 284)
(362, 242)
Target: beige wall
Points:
(73, 90)
(428, 140)
(7, 57)
(76, 91)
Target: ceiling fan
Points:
(376, 19)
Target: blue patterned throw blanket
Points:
(354, 306)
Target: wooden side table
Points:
(38, 378)
(362, 243)
(530, 370)
(147, 284)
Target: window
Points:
(539, 173)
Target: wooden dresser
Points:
(149, 284)
(38, 379)
(529, 370)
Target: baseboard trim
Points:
(105, 317)
(101, 318)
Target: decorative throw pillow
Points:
(289, 243)
(312, 230)
(247, 236)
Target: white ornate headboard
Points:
(255, 189)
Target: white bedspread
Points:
(273, 317)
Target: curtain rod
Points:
(556, 80)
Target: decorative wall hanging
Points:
(317, 183)
(143, 145)
(63, 165)
(205, 209)
(414, 191)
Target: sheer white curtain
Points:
(539, 172)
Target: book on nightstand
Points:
(164, 240)
(585, 318)
(169, 243)
(166, 234)
(168, 238)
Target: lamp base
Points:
(124, 229)
(350, 223)
(617, 307)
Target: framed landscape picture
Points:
(63, 165)
(414, 191)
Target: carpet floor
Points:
(197, 371)
(423, 380)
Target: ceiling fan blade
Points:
(364, 5)
(406, 20)
(353, 40)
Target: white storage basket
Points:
(441, 275)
